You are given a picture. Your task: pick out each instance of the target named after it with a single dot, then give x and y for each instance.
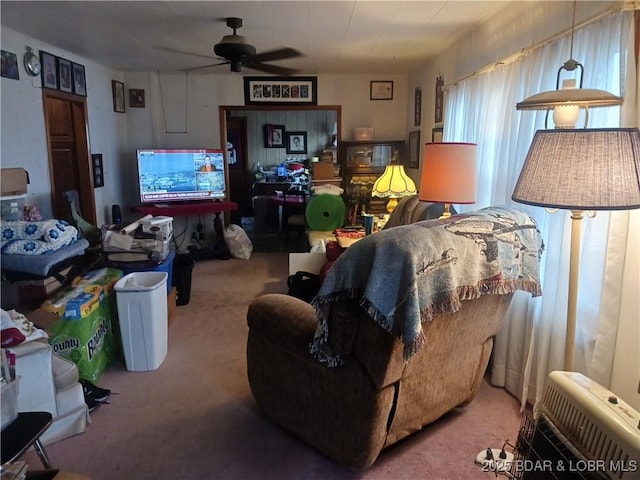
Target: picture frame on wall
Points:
(49, 70)
(274, 136)
(98, 170)
(439, 99)
(280, 90)
(65, 75)
(117, 91)
(296, 142)
(79, 79)
(136, 98)
(381, 90)
(10, 65)
(413, 159)
(417, 107)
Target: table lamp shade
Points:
(584, 169)
(449, 173)
(393, 183)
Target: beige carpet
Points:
(195, 418)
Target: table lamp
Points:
(394, 183)
(580, 170)
(449, 174)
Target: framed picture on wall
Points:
(136, 98)
(381, 90)
(413, 159)
(10, 65)
(79, 79)
(296, 142)
(64, 74)
(117, 91)
(273, 136)
(280, 90)
(417, 107)
(49, 70)
(439, 99)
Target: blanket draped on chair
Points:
(405, 275)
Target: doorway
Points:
(69, 160)
(239, 177)
(233, 121)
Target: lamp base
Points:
(447, 211)
(392, 204)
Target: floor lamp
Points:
(580, 170)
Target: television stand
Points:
(220, 249)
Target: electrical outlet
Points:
(493, 462)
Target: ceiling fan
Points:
(237, 52)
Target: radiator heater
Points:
(583, 431)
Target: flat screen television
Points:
(180, 175)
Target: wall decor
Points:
(64, 74)
(117, 91)
(414, 150)
(280, 90)
(273, 136)
(49, 70)
(79, 79)
(296, 142)
(381, 90)
(98, 171)
(436, 135)
(136, 98)
(417, 107)
(439, 99)
(10, 65)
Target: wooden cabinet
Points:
(361, 164)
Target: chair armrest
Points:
(283, 320)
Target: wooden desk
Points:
(220, 249)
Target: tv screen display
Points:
(176, 175)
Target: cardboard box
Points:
(322, 171)
(13, 181)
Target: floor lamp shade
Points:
(583, 169)
(578, 170)
(449, 173)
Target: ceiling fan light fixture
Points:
(232, 46)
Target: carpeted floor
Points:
(195, 418)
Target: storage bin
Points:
(143, 315)
(11, 207)
(149, 266)
(182, 270)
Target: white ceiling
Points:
(355, 36)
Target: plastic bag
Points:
(238, 242)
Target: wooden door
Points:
(240, 180)
(69, 159)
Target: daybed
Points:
(399, 334)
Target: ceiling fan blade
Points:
(175, 50)
(267, 68)
(202, 67)
(279, 54)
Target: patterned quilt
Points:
(34, 238)
(405, 275)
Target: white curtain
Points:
(481, 109)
